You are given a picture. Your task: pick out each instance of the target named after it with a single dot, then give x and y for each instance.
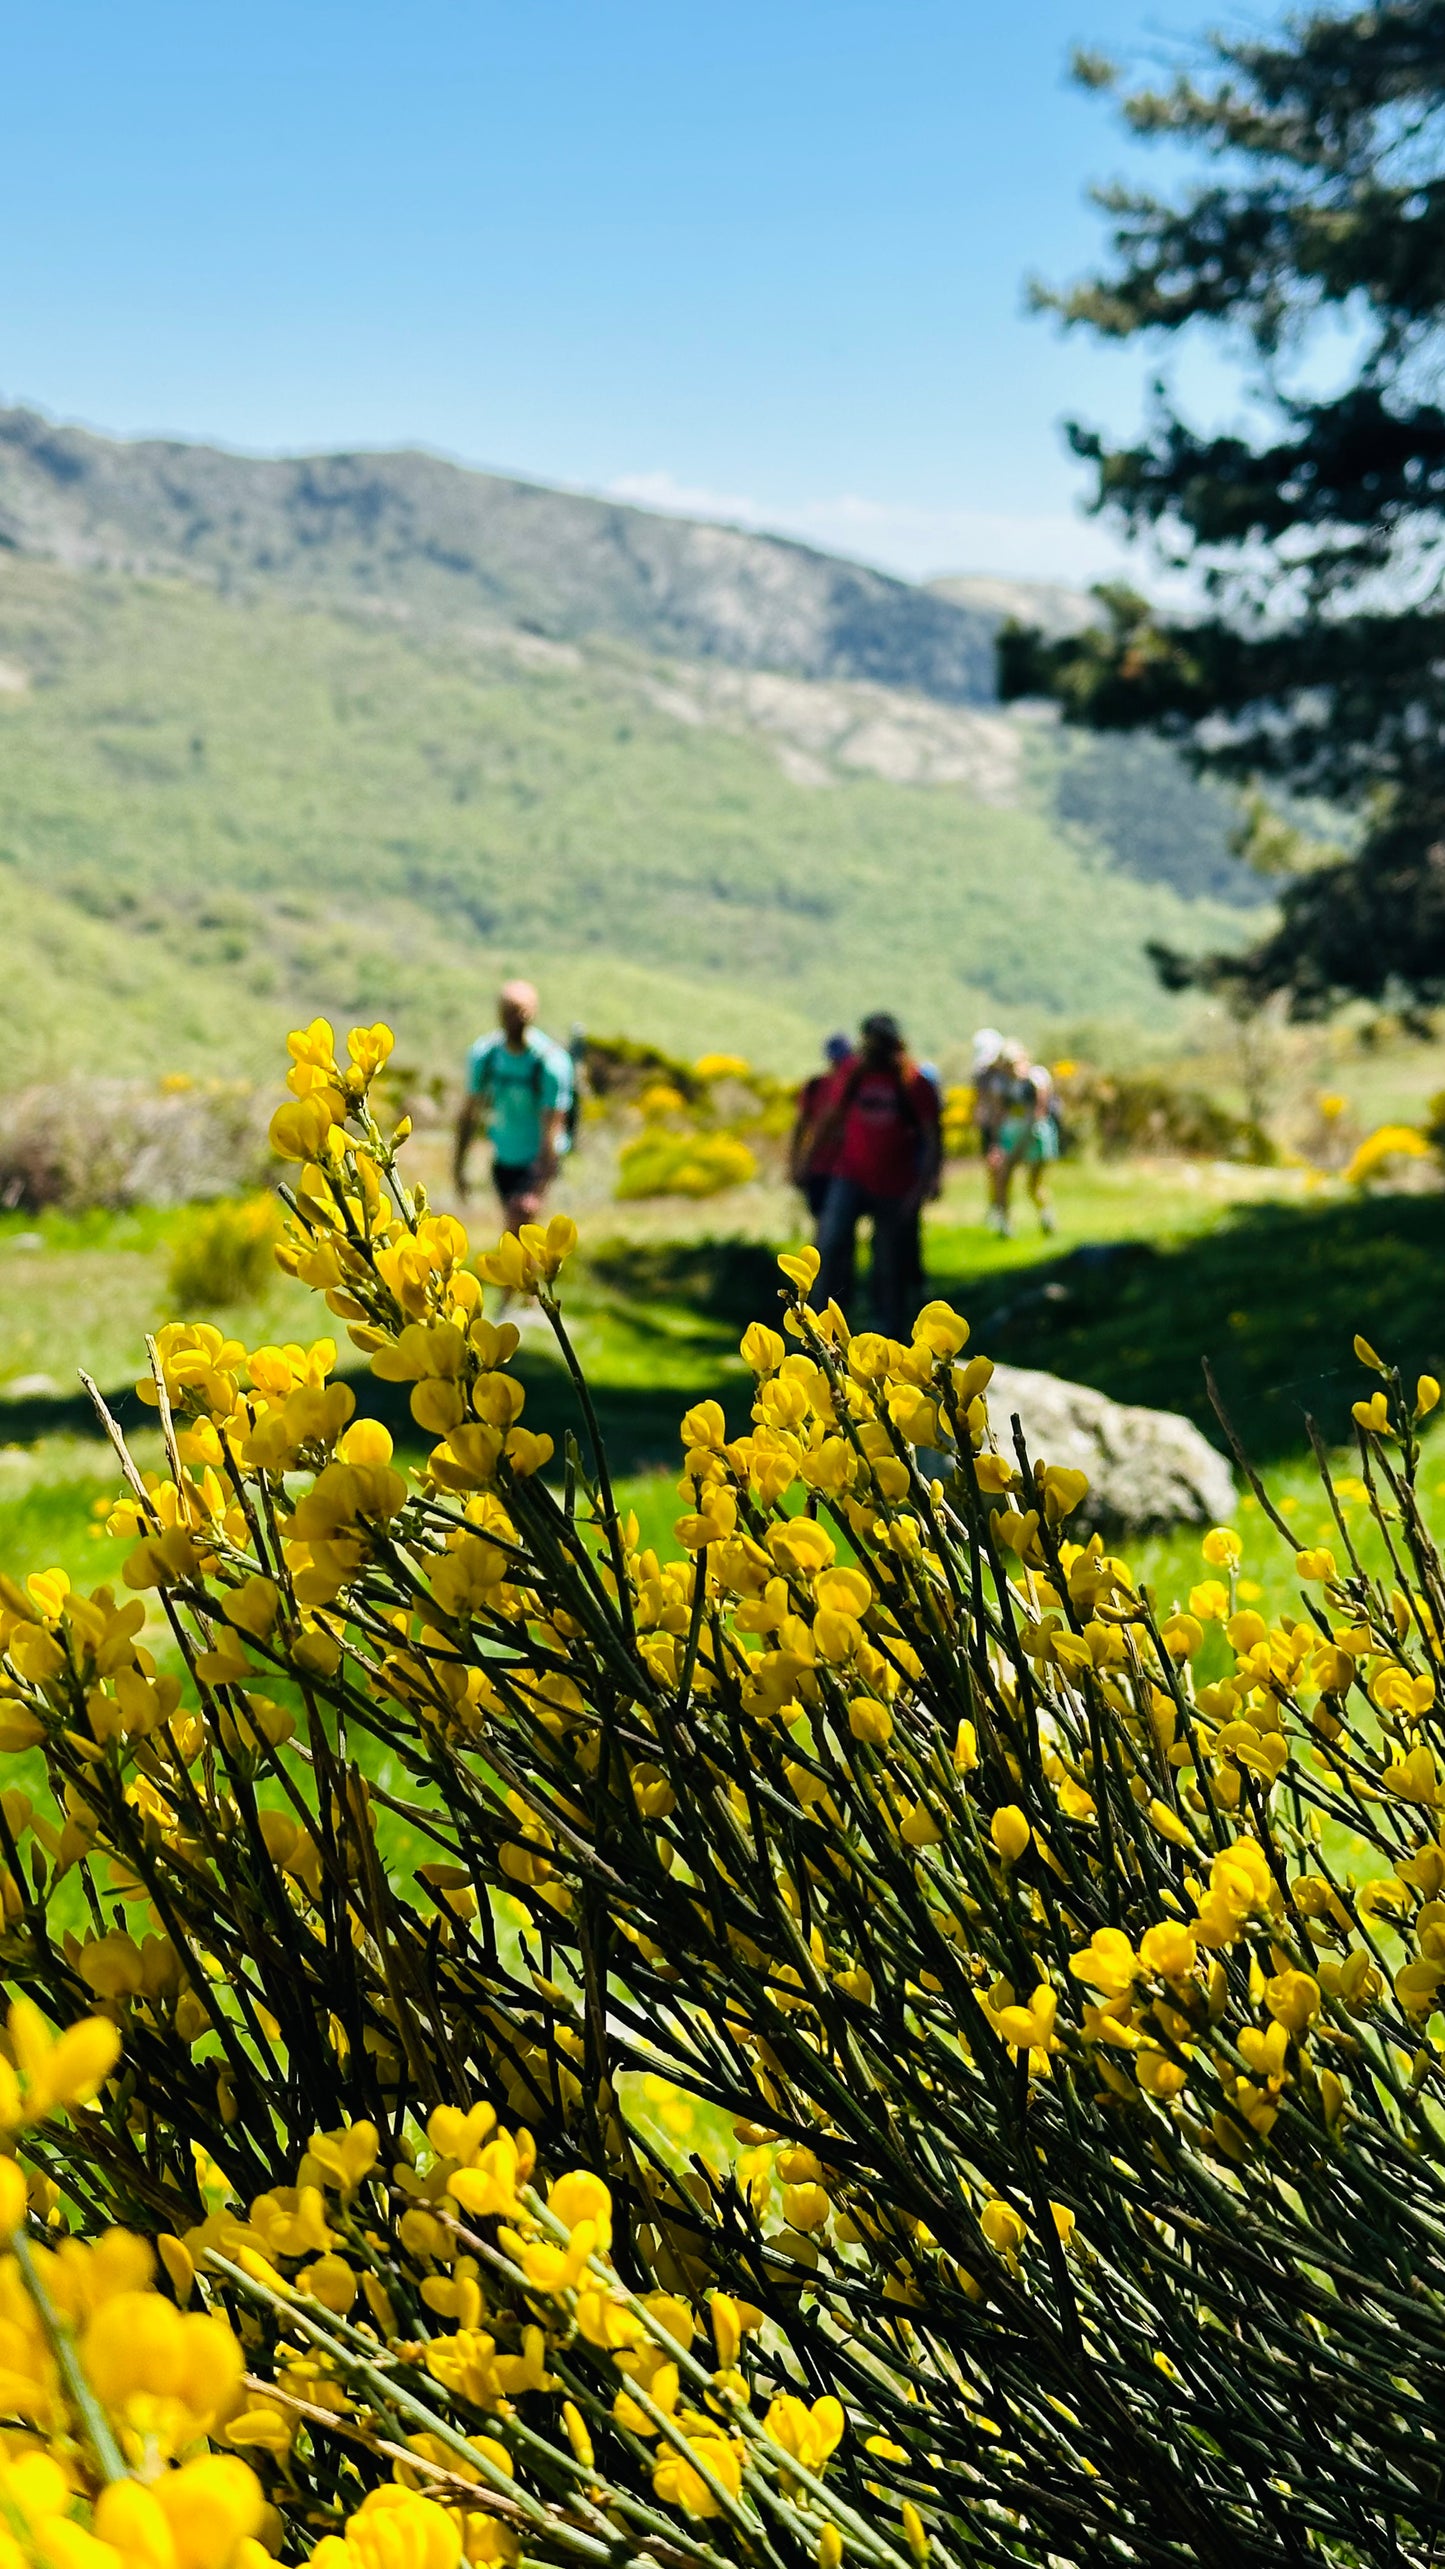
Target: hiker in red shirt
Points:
(881, 1123)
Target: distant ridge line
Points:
(443, 541)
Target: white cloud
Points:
(682, 499)
(920, 542)
(915, 541)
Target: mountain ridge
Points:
(365, 733)
(409, 531)
(1055, 606)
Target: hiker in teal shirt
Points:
(521, 1083)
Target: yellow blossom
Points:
(1010, 1832)
(685, 2479)
(809, 2435)
(393, 2528)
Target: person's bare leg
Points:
(1003, 1178)
(999, 1172)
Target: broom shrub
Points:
(1064, 1962)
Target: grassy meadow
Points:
(1155, 1264)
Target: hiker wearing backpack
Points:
(881, 1119)
(521, 1084)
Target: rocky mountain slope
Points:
(1052, 604)
(413, 536)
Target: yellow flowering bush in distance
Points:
(660, 1162)
(1067, 1965)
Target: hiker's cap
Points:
(838, 1048)
(521, 996)
(987, 1045)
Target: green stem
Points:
(391, 2392)
(99, 2433)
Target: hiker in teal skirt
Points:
(1025, 1137)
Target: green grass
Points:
(1153, 1266)
(83, 1291)
(216, 817)
(49, 1495)
(1271, 1293)
(1246, 1266)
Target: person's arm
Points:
(801, 1139)
(554, 1124)
(933, 1160)
(554, 1096)
(830, 1111)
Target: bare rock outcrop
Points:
(1147, 1469)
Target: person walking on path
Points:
(520, 1083)
(1041, 1144)
(881, 1119)
(1026, 1136)
(992, 1087)
(811, 1157)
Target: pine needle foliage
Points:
(1318, 664)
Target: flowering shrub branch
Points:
(1067, 1966)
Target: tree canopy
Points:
(1317, 663)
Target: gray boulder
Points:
(1147, 1469)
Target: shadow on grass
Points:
(36, 1414)
(1273, 1297)
(639, 1426)
(724, 1280)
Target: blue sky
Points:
(762, 261)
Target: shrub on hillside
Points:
(1063, 1961)
(1388, 1152)
(115, 1143)
(1121, 1112)
(958, 1131)
(662, 1162)
(225, 1254)
(618, 1068)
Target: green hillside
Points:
(218, 814)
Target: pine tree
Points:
(1318, 665)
